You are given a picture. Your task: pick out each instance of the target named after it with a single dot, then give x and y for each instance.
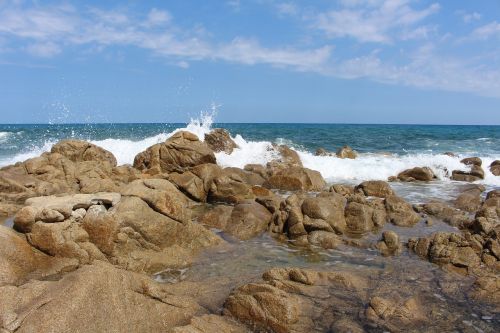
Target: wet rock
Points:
(446, 213)
(286, 301)
(343, 190)
(470, 200)
(296, 178)
(472, 161)
(395, 314)
(219, 140)
(448, 249)
(400, 212)
(328, 208)
(102, 299)
(178, 153)
(324, 239)
(288, 158)
(495, 167)
(389, 244)
(322, 152)
(376, 188)
(475, 173)
(493, 194)
(417, 173)
(248, 219)
(346, 152)
(362, 217)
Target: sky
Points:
(346, 61)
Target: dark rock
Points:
(472, 161)
(219, 140)
(346, 152)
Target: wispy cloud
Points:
(371, 21)
(382, 27)
(469, 17)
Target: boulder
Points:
(389, 244)
(346, 152)
(189, 184)
(296, 178)
(363, 216)
(475, 173)
(344, 190)
(81, 151)
(495, 167)
(230, 188)
(178, 153)
(19, 262)
(442, 211)
(162, 196)
(375, 188)
(288, 157)
(417, 173)
(396, 314)
(472, 161)
(327, 207)
(287, 300)
(101, 297)
(322, 152)
(219, 140)
(400, 212)
(470, 200)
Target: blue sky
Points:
(346, 61)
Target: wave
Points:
(4, 136)
(368, 166)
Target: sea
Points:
(384, 150)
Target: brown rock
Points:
(395, 314)
(446, 213)
(469, 201)
(400, 212)
(162, 196)
(189, 184)
(476, 173)
(376, 188)
(80, 151)
(389, 244)
(346, 152)
(495, 167)
(328, 208)
(417, 173)
(296, 178)
(102, 299)
(219, 140)
(472, 161)
(180, 152)
(322, 152)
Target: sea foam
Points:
(368, 166)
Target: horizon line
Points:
(236, 123)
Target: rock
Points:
(71, 167)
(296, 178)
(343, 190)
(219, 140)
(446, 213)
(476, 173)
(472, 161)
(189, 184)
(493, 194)
(363, 216)
(19, 262)
(417, 173)
(288, 300)
(162, 196)
(469, 201)
(448, 249)
(322, 152)
(80, 151)
(376, 188)
(400, 212)
(324, 239)
(102, 299)
(389, 244)
(178, 153)
(257, 169)
(229, 187)
(395, 314)
(288, 157)
(346, 152)
(328, 208)
(495, 167)
(211, 324)
(450, 154)
(56, 209)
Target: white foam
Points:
(4, 136)
(248, 152)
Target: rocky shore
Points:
(176, 243)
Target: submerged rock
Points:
(389, 244)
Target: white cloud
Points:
(287, 8)
(158, 17)
(469, 17)
(372, 21)
(487, 31)
(44, 49)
